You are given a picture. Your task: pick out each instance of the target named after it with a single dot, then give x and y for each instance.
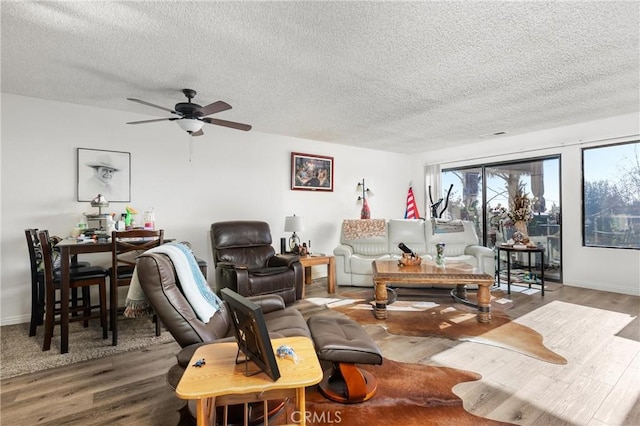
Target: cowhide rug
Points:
(408, 394)
(457, 322)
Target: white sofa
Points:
(363, 241)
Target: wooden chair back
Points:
(37, 280)
(125, 247)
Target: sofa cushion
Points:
(363, 229)
(407, 231)
(471, 260)
(366, 236)
(455, 241)
(362, 264)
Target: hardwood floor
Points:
(599, 386)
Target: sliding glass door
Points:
(485, 195)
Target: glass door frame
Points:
(485, 225)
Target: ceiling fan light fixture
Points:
(190, 125)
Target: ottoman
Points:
(345, 343)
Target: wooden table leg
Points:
(307, 275)
(65, 268)
(205, 412)
(461, 291)
(300, 397)
(113, 310)
(484, 303)
(380, 309)
(331, 275)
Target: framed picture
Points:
(104, 172)
(251, 334)
(311, 172)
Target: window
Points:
(611, 196)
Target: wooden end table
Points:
(457, 274)
(220, 381)
(330, 261)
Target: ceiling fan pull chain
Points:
(190, 146)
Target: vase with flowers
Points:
(520, 214)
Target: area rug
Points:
(458, 322)
(22, 354)
(408, 394)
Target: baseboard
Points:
(15, 320)
(612, 288)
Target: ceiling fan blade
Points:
(214, 107)
(151, 105)
(152, 121)
(198, 133)
(225, 123)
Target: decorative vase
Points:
(440, 255)
(521, 234)
(365, 213)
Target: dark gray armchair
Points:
(246, 262)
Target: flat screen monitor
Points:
(251, 333)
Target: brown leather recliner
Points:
(246, 262)
(341, 341)
(158, 279)
(160, 284)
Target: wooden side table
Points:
(330, 261)
(519, 249)
(220, 381)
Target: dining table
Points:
(69, 249)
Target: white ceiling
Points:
(405, 77)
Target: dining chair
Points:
(90, 276)
(125, 247)
(37, 279)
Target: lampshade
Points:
(293, 223)
(190, 125)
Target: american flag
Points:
(412, 209)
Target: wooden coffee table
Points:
(457, 274)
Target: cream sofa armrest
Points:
(343, 255)
(484, 255)
(343, 250)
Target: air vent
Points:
(490, 135)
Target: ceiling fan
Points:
(191, 117)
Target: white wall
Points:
(605, 269)
(238, 175)
(233, 175)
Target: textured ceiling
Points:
(404, 77)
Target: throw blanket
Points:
(447, 227)
(202, 299)
(354, 229)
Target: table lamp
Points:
(293, 224)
